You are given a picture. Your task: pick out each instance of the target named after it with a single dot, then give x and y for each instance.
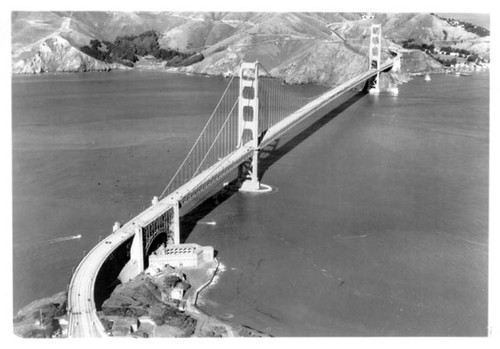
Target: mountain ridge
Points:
(299, 47)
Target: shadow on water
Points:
(273, 152)
(268, 156)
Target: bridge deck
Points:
(83, 319)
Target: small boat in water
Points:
(427, 77)
(462, 73)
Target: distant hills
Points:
(299, 47)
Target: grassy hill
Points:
(298, 47)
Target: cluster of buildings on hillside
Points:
(459, 60)
(440, 51)
(470, 66)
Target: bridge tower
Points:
(248, 126)
(375, 55)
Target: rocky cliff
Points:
(55, 54)
(142, 296)
(39, 318)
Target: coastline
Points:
(209, 325)
(47, 317)
(205, 285)
(410, 68)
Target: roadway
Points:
(83, 319)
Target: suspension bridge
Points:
(254, 110)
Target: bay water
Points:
(376, 225)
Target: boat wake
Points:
(66, 238)
(208, 223)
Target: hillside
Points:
(423, 28)
(39, 319)
(481, 46)
(55, 54)
(323, 48)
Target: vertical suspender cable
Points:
(200, 137)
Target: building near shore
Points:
(182, 255)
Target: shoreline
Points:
(48, 317)
(210, 323)
(205, 285)
(397, 78)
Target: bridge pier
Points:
(249, 177)
(136, 264)
(175, 224)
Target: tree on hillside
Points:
(126, 48)
(95, 44)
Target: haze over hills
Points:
(298, 47)
(482, 19)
